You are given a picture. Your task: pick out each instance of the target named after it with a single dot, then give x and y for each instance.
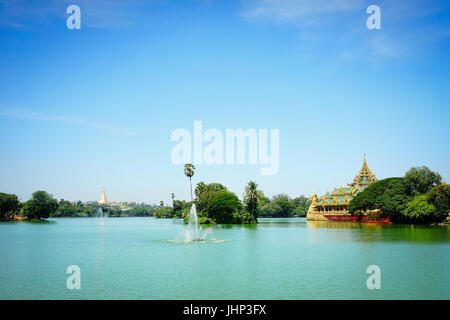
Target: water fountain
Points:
(100, 214)
(196, 232)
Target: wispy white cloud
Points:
(29, 115)
(406, 28)
(296, 11)
(95, 13)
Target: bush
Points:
(244, 217)
(164, 212)
(205, 220)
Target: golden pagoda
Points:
(103, 199)
(335, 203)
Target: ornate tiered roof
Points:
(343, 195)
(364, 176)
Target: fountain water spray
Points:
(196, 233)
(100, 213)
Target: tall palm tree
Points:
(172, 195)
(189, 169)
(251, 196)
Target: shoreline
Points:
(43, 221)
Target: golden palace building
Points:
(334, 204)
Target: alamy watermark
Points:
(74, 280)
(238, 147)
(374, 20)
(74, 20)
(374, 280)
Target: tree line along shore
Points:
(214, 202)
(419, 197)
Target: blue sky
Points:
(82, 109)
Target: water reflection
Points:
(282, 222)
(342, 231)
(371, 232)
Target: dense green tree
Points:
(165, 212)
(367, 199)
(224, 206)
(140, 212)
(420, 180)
(216, 187)
(40, 206)
(393, 201)
(79, 209)
(9, 204)
(244, 217)
(67, 209)
(208, 193)
(420, 210)
(439, 196)
(301, 206)
(114, 212)
(178, 208)
(270, 209)
(283, 205)
(263, 203)
(403, 199)
(186, 208)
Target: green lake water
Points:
(141, 258)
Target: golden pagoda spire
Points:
(365, 167)
(364, 176)
(103, 199)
